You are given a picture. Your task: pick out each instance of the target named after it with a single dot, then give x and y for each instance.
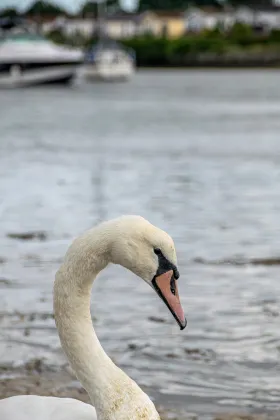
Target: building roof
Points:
(262, 6)
(169, 13)
(122, 16)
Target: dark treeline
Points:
(238, 47)
(45, 8)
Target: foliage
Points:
(75, 40)
(164, 52)
(90, 7)
(252, 3)
(8, 12)
(241, 34)
(44, 8)
(274, 36)
(157, 54)
(58, 37)
(175, 4)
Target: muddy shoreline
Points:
(39, 379)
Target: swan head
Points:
(149, 252)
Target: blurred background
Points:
(168, 109)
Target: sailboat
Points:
(108, 60)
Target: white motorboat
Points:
(27, 58)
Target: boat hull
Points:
(30, 74)
(108, 73)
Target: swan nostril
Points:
(176, 273)
(173, 286)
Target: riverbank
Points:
(38, 379)
(185, 53)
(241, 47)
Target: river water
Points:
(196, 153)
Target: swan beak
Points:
(166, 287)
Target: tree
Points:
(44, 8)
(90, 8)
(9, 12)
(251, 3)
(175, 4)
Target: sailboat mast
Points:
(101, 18)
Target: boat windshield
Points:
(22, 37)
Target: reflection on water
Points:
(195, 153)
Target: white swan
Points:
(147, 251)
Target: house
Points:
(171, 23)
(155, 23)
(121, 25)
(268, 17)
(195, 20)
(150, 24)
(253, 15)
(198, 19)
(128, 25)
(245, 15)
(70, 26)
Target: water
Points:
(197, 153)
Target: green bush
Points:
(275, 36)
(150, 51)
(162, 52)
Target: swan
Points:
(147, 251)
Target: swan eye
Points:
(157, 251)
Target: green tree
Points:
(175, 4)
(89, 9)
(9, 12)
(251, 3)
(44, 8)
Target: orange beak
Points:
(166, 287)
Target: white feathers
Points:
(33, 407)
(129, 241)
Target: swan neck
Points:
(72, 297)
(111, 391)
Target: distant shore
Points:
(240, 47)
(230, 60)
(207, 67)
